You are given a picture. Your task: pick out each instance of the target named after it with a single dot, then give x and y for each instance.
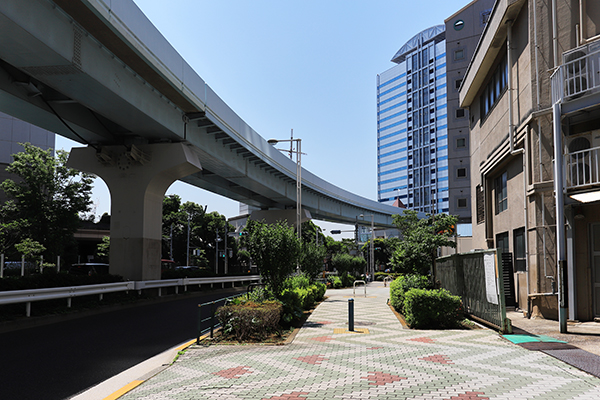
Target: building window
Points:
(461, 172)
(461, 203)
(495, 88)
(461, 142)
(459, 54)
(480, 204)
(457, 83)
(458, 25)
(501, 193)
(519, 249)
(460, 113)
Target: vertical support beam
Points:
(571, 273)
(137, 179)
(561, 256)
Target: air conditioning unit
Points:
(580, 171)
(576, 72)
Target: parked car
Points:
(89, 269)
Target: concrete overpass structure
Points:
(98, 72)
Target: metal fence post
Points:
(199, 324)
(212, 318)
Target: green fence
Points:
(477, 278)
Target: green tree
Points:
(275, 249)
(383, 248)
(103, 248)
(311, 260)
(421, 238)
(31, 249)
(47, 197)
(310, 233)
(347, 264)
(178, 217)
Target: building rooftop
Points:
(436, 33)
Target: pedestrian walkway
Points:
(383, 361)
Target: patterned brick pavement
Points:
(389, 362)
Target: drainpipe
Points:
(535, 55)
(511, 134)
(509, 63)
(560, 217)
(555, 33)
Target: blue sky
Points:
(310, 66)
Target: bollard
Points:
(351, 315)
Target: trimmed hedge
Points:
(250, 320)
(432, 309)
(403, 284)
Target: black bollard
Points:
(351, 315)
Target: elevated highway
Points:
(100, 73)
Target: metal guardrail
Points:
(582, 168)
(68, 292)
(211, 316)
(576, 77)
(354, 287)
(386, 280)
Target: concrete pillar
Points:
(137, 178)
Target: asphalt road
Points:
(59, 360)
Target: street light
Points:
(298, 153)
(371, 247)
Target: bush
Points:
(380, 276)
(249, 319)
(320, 289)
(403, 284)
(292, 305)
(296, 281)
(336, 282)
(432, 309)
(347, 279)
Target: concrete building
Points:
(533, 94)
(422, 133)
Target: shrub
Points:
(432, 309)
(249, 319)
(403, 284)
(320, 289)
(292, 305)
(337, 282)
(380, 276)
(347, 279)
(296, 281)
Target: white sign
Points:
(490, 278)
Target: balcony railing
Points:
(582, 168)
(577, 77)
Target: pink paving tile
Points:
(469, 396)
(438, 358)
(314, 360)
(381, 378)
(324, 322)
(290, 396)
(374, 348)
(233, 373)
(324, 339)
(422, 340)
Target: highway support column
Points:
(138, 178)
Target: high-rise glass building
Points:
(423, 144)
(412, 125)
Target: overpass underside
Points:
(104, 76)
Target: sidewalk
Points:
(325, 361)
